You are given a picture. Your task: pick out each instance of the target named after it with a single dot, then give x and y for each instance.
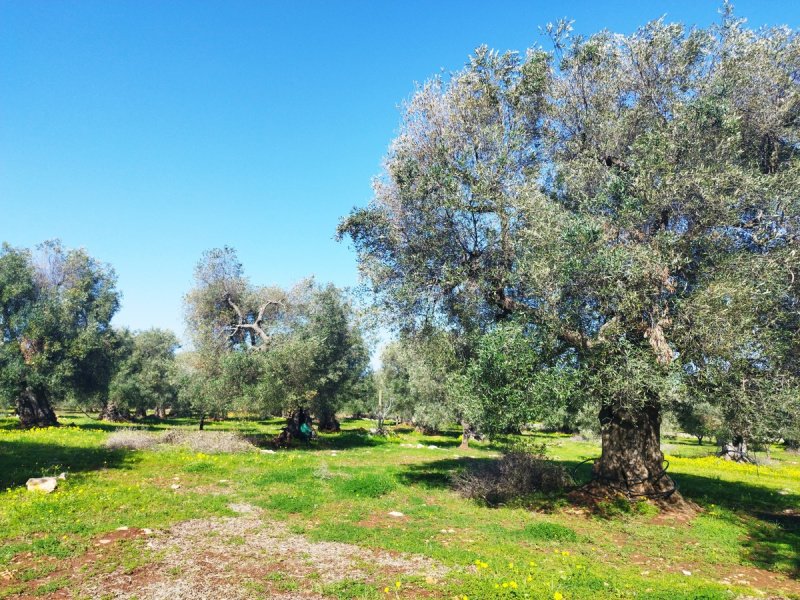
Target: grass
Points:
(342, 487)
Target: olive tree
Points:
(55, 311)
(145, 377)
(631, 199)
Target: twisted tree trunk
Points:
(631, 462)
(112, 412)
(34, 410)
(328, 422)
(468, 433)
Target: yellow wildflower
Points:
(558, 596)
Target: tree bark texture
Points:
(112, 412)
(328, 422)
(34, 410)
(631, 462)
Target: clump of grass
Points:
(514, 476)
(549, 531)
(368, 485)
(290, 503)
(131, 439)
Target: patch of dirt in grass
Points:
(227, 558)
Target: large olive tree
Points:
(631, 199)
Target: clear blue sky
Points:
(148, 131)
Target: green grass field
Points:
(275, 524)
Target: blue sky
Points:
(148, 132)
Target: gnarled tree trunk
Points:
(632, 462)
(466, 436)
(736, 450)
(34, 410)
(328, 422)
(292, 429)
(112, 412)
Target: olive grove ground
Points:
(352, 516)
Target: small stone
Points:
(268, 452)
(62, 476)
(687, 573)
(147, 531)
(432, 447)
(104, 542)
(123, 528)
(396, 513)
(41, 484)
(175, 486)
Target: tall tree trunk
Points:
(466, 435)
(632, 462)
(202, 422)
(141, 412)
(161, 413)
(112, 412)
(327, 421)
(34, 410)
(292, 429)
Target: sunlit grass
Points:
(343, 487)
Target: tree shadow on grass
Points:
(23, 459)
(771, 519)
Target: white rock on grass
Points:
(42, 484)
(396, 513)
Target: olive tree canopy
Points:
(632, 201)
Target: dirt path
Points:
(246, 556)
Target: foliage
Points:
(514, 477)
(55, 311)
(145, 377)
(265, 350)
(630, 200)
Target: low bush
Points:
(516, 475)
(209, 442)
(131, 439)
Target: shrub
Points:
(199, 441)
(207, 441)
(515, 475)
(131, 439)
